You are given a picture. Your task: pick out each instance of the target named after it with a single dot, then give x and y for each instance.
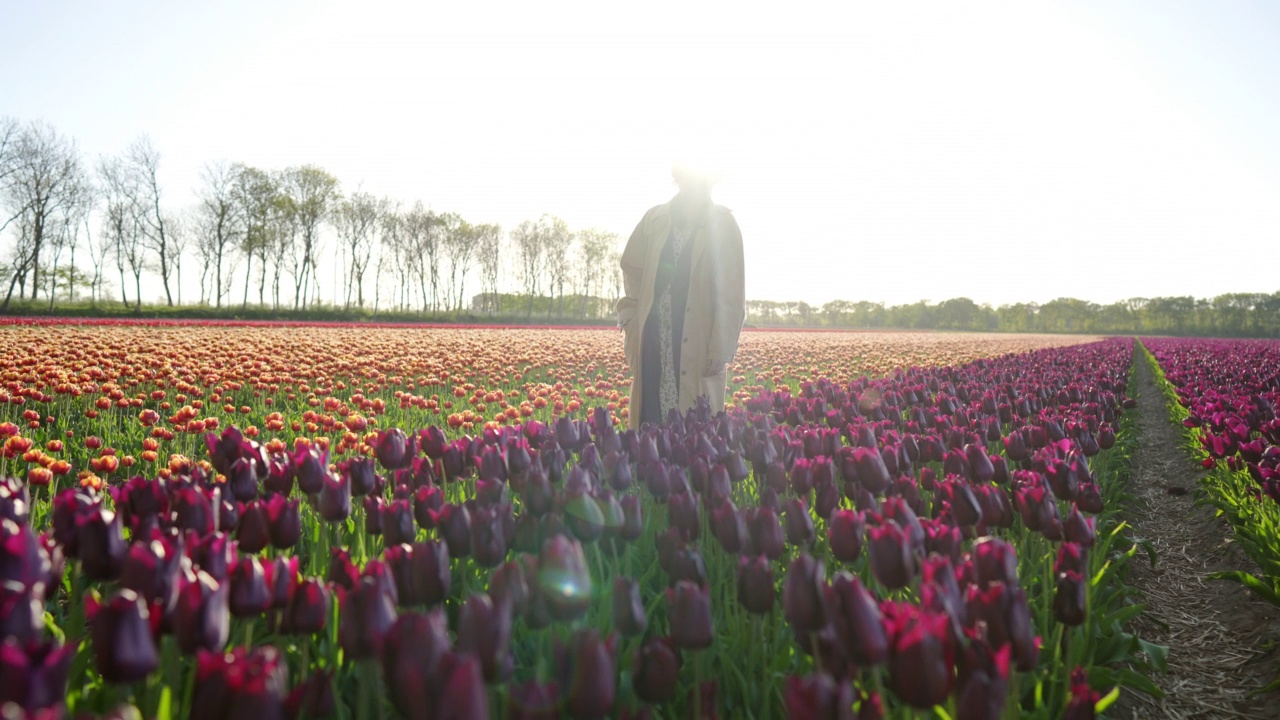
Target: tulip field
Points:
(1225, 393)
(220, 520)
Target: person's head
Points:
(693, 181)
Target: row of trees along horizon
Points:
(256, 237)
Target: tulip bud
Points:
(628, 607)
(856, 619)
(689, 613)
(820, 697)
(802, 594)
(844, 535)
(655, 672)
(124, 650)
(755, 584)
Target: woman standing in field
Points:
(683, 303)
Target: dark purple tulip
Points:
(537, 494)
(361, 473)
(140, 500)
(310, 467)
(1089, 499)
(285, 521)
(1083, 700)
(1015, 447)
(453, 525)
(250, 588)
(432, 441)
(484, 630)
(755, 584)
(124, 650)
(588, 675)
(488, 536)
(284, 577)
(460, 690)
(1069, 599)
(799, 524)
(313, 697)
(856, 620)
(101, 544)
(729, 527)
(844, 535)
(892, 561)
(766, 533)
(921, 662)
(583, 516)
(240, 684)
(965, 508)
(819, 697)
(242, 480)
(342, 572)
(995, 561)
(632, 518)
(617, 470)
(214, 553)
(425, 500)
(1079, 529)
(34, 676)
(682, 514)
(22, 558)
(981, 682)
(563, 580)
(1106, 437)
(1005, 611)
(872, 472)
(628, 607)
(201, 617)
(980, 468)
(655, 672)
(253, 531)
(374, 505)
(411, 654)
(534, 701)
(390, 448)
(334, 504)
(802, 594)
(308, 608)
(364, 616)
(509, 584)
(826, 500)
(397, 522)
(689, 613)
(68, 505)
(151, 570)
(21, 611)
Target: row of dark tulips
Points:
(1225, 394)
(924, 542)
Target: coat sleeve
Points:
(730, 309)
(633, 259)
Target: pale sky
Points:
(1015, 151)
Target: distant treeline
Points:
(1231, 315)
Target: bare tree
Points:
(422, 240)
(142, 160)
(312, 192)
(180, 227)
(531, 238)
(489, 254)
(123, 225)
(395, 254)
(557, 240)
(590, 265)
(65, 234)
(220, 221)
(356, 219)
(41, 181)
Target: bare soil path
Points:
(1222, 640)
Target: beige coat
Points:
(713, 315)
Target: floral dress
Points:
(660, 344)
